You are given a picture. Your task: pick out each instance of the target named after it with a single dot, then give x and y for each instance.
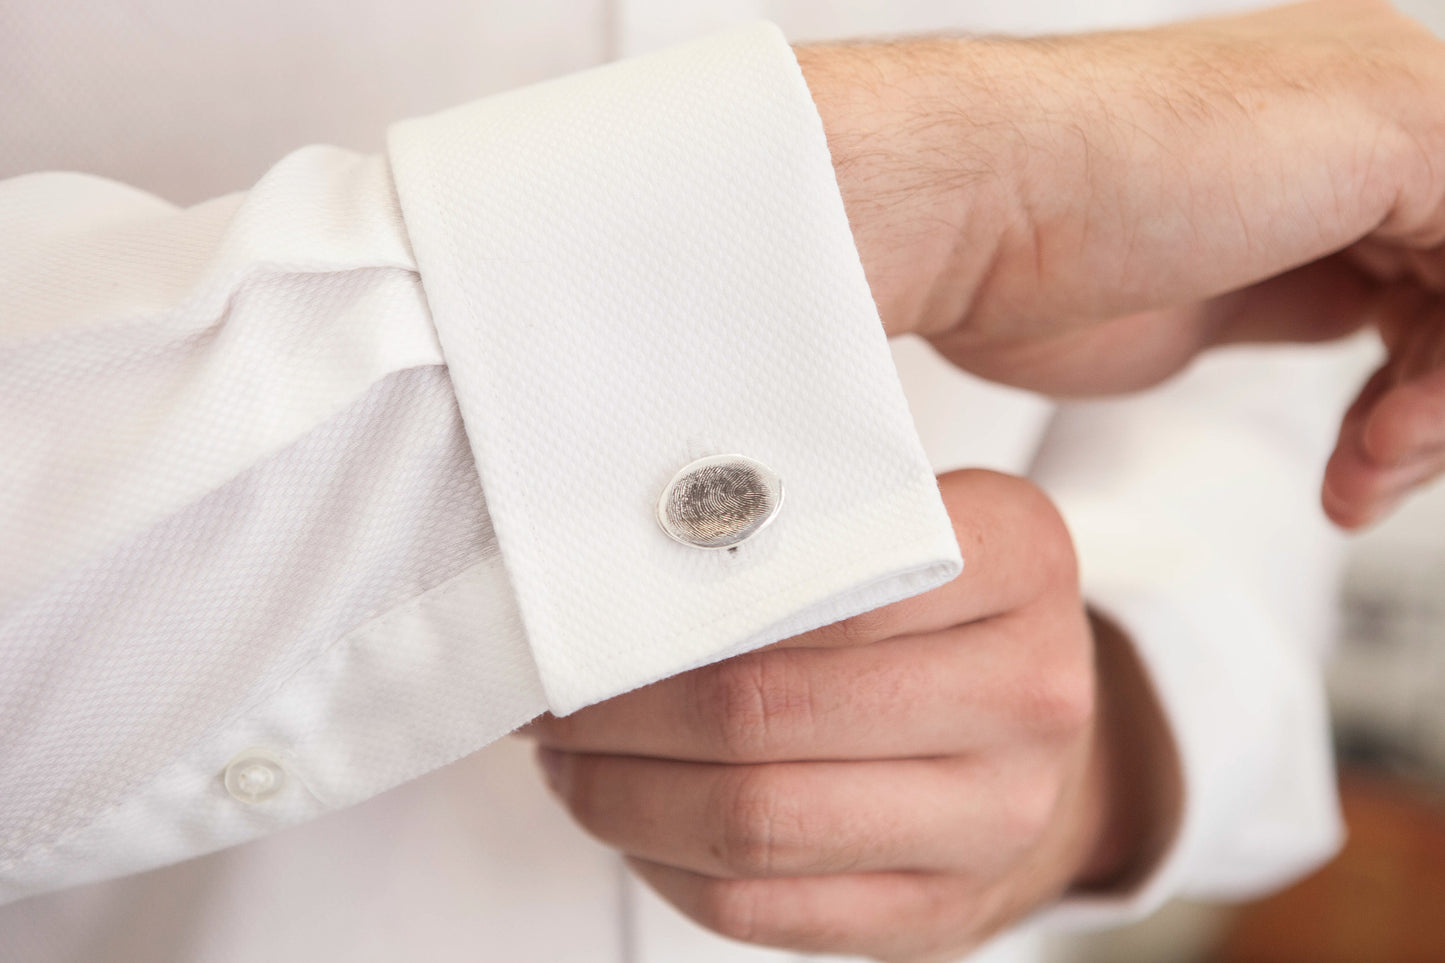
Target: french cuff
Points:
(1251, 734)
(637, 267)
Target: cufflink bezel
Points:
(719, 502)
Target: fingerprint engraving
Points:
(718, 502)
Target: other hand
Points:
(1085, 214)
(902, 784)
(1393, 436)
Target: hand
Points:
(1084, 214)
(902, 784)
(1393, 436)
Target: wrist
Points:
(1135, 774)
(925, 177)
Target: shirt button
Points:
(719, 501)
(254, 776)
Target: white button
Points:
(719, 501)
(254, 776)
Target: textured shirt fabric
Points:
(726, 266)
(236, 470)
(246, 446)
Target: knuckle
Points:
(1057, 560)
(1050, 544)
(732, 908)
(1027, 511)
(1060, 701)
(752, 831)
(753, 704)
(752, 911)
(1029, 812)
(729, 698)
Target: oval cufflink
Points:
(719, 501)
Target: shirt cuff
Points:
(1241, 723)
(636, 267)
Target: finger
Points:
(1348, 492)
(1386, 261)
(1360, 489)
(1417, 346)
(1428, 267)
(1407, 423)
(1399, 315)
(965, 815)
(1015, 547)
(1423, 473)
(1320, 301)
(882, 916)
(1393, 437)
(960, 690)
(1356, 496)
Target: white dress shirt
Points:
(242, 523)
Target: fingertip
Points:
(1407, 425)
(1342, 515)
(1356, 494)
(1343, 497)
(1357, 489)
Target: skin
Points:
(1392, 440)
(1076, 215)
(1083, 215)
(902, 784)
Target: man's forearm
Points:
(923, 170)
(1084, 215)
(1007, 194)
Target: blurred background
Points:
(1383, 899)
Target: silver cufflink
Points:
(719, 501)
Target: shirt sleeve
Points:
(309, 490)
(1194, 510)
